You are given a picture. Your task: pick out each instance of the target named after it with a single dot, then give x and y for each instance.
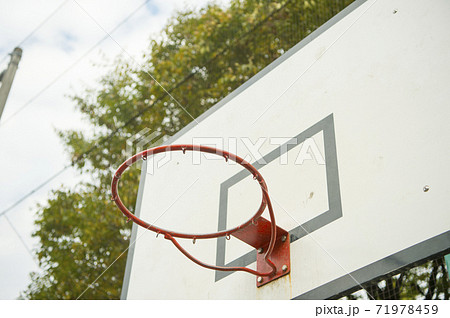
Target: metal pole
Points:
(7, 76)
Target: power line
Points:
(220, 52)
(83, 155)
(38, 27)
(34, 190)
(32, 99)
(20, 237)
(153, 78)
(139, 113)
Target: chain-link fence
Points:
(428, 281)
(237, 48)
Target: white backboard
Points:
(347, 128)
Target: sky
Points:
(64, 40)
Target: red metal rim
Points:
(227, 156)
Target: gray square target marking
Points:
(333, 213)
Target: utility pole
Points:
(7, 76)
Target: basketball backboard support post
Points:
(349, 129)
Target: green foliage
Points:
(429, 281)
(200, 58)
(72, 251)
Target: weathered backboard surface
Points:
(349, 129)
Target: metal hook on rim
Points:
(254, 222)
(113, 198)
(226, 158)
(128, 220)
(157, 234)
(144, 157)
(184, 150)
(228, 237)
(193, 240)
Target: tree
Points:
(429, 281)
(201, 57)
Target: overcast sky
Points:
(55, 63)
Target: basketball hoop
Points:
(258, 232)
